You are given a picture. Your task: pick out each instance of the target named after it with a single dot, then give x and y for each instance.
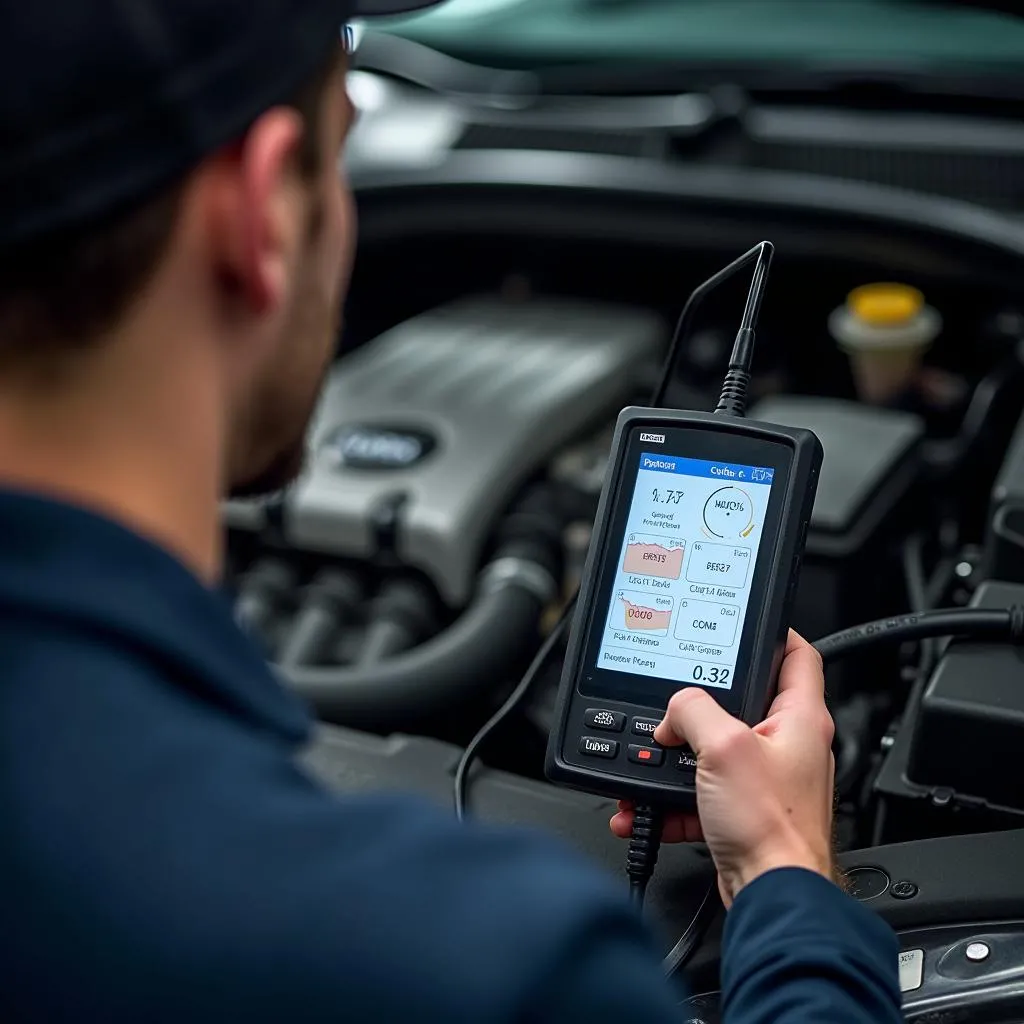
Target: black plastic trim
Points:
(751, 190)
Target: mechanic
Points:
(175, 244)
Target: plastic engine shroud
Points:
(443, 418)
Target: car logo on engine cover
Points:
(371, 447)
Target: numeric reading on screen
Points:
(682, 582)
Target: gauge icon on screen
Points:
(729, 514)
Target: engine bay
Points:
(460, 454)
(406, 581)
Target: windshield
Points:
(930, 36)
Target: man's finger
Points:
(695, 717)
(795, 642)
(801, 672)
(678, 828)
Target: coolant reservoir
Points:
(885, 329)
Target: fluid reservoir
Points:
(885, 329)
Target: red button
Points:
(652, 756)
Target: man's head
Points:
(266, 226)
(174, 221)
(291, 241)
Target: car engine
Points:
(404, 583)
(483, 391)
(454, 467)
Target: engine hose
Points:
(448, 670)
(331, 599)
(962, 623)
(262, 597)
(402, 615)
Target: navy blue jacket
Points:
(162, 857)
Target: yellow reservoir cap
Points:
(885, 305)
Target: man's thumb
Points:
(696, 718)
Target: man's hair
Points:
(60, 294)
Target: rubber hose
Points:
(400, 617)
(967, 623)
(331, 600)
(441, 674)
(262, 596)
(384, 640)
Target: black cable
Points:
(917, 594)
(689, 942)
(514, 698)
(913, 573)
(642, 853)
(964, 623)
(743, 348)
(733, 399)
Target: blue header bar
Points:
(728, 471)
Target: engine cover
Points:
(423, 437)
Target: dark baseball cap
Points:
(104, 102)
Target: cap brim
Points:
(377, 8)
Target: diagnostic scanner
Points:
(690, 581)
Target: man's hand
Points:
(764, 795)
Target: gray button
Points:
(977, 951)
(645, 726)
(904, 890)
(597, 746)
(686, 760)
(599, 718)
(911, 969)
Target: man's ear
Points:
(258, 211)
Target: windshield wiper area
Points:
(423, 66)
(524, 95)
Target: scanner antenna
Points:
(733, 399)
